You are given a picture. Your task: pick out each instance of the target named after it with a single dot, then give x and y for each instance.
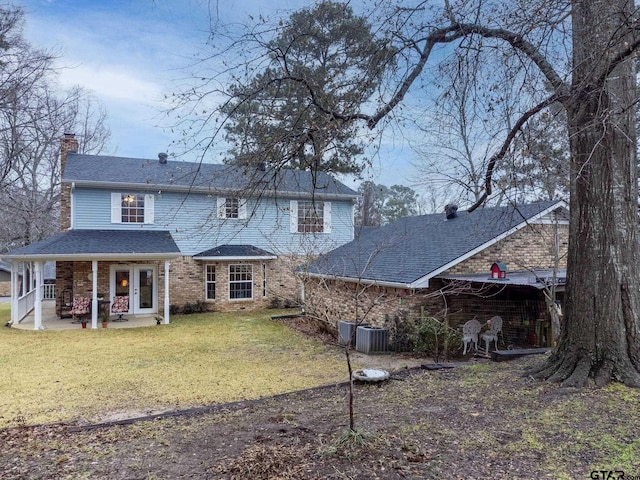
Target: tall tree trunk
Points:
(601, 338)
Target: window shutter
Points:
(242, 208)
(221, 207)
(116, 207)
(149, 208)
(293, 216)
(327, 217)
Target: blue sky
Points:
(130, 53)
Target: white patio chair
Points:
(470, 331)
(491, 335)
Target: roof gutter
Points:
(95, 256)
(209, 190)
(365, 281)
(236, 258)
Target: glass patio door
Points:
(144, 289)
(138, 283)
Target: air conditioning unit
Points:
(372, 339)
(346, 332)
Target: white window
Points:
(232, 208)
(308, 216)
(132, 208)
(210, 282)
(240, 282)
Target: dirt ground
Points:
(484, 420)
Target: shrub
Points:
(200, 306)
(188, 309)
(402, 332)
(275, 303)
(436, 339)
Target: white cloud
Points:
(118, 82)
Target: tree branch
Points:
(505, 147)
(452, 33)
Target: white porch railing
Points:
(49, 291)
(26, 304)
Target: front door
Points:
(138, 283)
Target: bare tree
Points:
(33, 118)
(32, 192)
(453, 152)
(578, 54)
(21, 69)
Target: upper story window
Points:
(310, 216)
(232, 208)
(132, 208)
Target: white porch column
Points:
(166, 291)
(15, 293)
(26, 277)
(94, 295)
(37, 311)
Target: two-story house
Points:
(168, 233)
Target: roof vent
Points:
(162, 157)
(450, 211)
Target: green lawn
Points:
(197, 360)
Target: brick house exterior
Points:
(461, 287)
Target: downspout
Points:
(71, 205)
(37, 316)
(167, 263)
(94, 294)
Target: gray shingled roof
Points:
(5, 266)
(234, 251)
(93, 244)
(48, 274)
(415, 248)
(108, 170)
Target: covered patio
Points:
(51, 320)
(99, 265)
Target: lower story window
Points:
(240, 282)
(210, 282)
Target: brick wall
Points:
(532, 247)
(68, 144)
(187, 277)
(522, 309)
(333, 300)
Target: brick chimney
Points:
(68, 143)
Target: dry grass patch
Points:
(198, 359)
(425, 424)
(5, 312)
